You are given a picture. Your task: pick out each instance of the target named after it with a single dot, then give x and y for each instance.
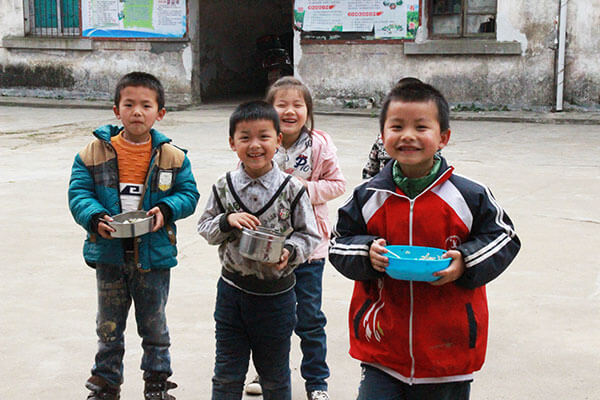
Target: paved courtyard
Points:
(544, 340)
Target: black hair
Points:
(412, 90)
(253, 111)
(141, 79)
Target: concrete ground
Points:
(544, 340)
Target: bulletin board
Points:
(377, 19)
(134, 18)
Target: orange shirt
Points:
(133, 159)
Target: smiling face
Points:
(293, 112)
(412, 136)
(138, 111)
(255, 142)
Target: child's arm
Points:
(83, 201)
(306, 237)
(372, 166)
(184, 195)
(492, 244)
(350, 246)
(331, 183)
(213, 224)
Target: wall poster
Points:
(387, 19)
(133, 18)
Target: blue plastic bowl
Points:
(416, 263)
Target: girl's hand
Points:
(378, 260)
(104, 229)
(454, 270)
(303, 181)
(159, 219)
(243, 220)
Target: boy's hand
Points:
(376, 251)
(104, 229)
(454, 270)
(239, 220)
(283, 260)
(159, 219)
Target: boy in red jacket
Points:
(420, 340)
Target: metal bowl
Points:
(131, 224)
(263, 244)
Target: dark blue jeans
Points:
(118, 286)
(377, 385)
(258, 325)
(310, 326)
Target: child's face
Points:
(138, 111)
(292, 110)
(255, 143)
(411, 135)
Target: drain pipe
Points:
(560, 65)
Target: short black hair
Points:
(414, 91)
(253, 111)
(143, 79)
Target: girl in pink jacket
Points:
(310, 156)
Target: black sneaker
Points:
(156, 387)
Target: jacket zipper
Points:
(410, 283)
(154, 153)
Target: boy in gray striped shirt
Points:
(255, 308)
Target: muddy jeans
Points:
(118, 286)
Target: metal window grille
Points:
(52, 18)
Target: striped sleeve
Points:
(492, 245)
(350, 243)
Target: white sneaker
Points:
(254, 386)
(317, 395)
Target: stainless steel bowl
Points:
(263, 244)
(125, 227)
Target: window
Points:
(52, 17)
(462, 18)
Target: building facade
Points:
(488, 53)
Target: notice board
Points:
(134, 18)
(385, 19)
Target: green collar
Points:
(412, 187)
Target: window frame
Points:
(464, 14)
(31, 29)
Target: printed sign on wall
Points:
(133, 18)
(387, 19)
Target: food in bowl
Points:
(131, 224)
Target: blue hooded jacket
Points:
(94, 189)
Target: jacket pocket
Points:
(472, 325)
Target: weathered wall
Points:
(337, 73)
(582, 66)
(92, 73)
(228, 55)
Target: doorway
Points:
(229, 60)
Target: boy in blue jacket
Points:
(129, 168)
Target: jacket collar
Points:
(105, 132)
(384, 180)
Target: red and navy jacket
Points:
(414, 331)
